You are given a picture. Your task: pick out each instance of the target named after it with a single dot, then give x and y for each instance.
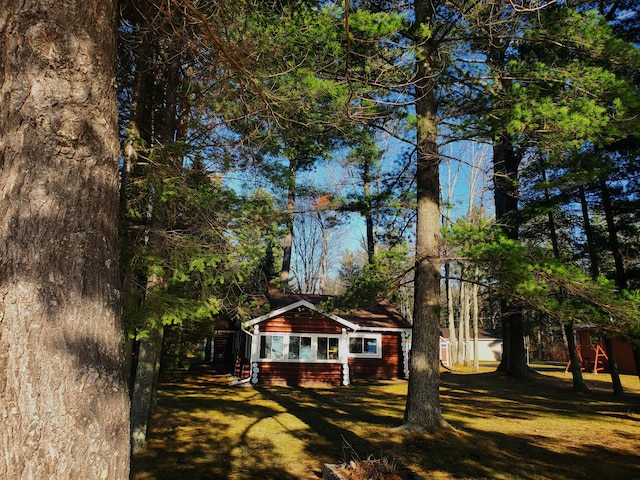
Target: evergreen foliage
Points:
(534, 276)
(241, 99)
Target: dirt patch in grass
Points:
(540, 428)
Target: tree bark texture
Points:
(423, 410)
(574, 359)
(613, 366)
(145, 387)
(506, 164)
(594, 265)
(64, 406)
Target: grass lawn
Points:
(504, 429)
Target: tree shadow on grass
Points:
(183, 443)
(205, 429)
(328, 413)
(186, 441)
(521, 406)
(478, 454)
(532, 397)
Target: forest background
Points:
(235, 117)
(229, 111)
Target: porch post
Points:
(344, 356)
(405, 354)
(255, 354)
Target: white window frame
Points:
(376, 336)
(284, 349)
(314, 347)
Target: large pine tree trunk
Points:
(506, 164)
(613, 366)
(63, 398)
(423, 409)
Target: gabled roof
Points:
(297, 305)
(375, 317)
(379, 316)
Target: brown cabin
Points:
(299, 343)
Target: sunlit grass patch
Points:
(535, 429)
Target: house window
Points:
(365, 346)
(272, 347)
(299, 348)
(328, 348)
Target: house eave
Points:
(384, 329)
(300, 304)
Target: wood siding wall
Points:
(290, 373)
(300, 322)
(388, 367)
(219, 347)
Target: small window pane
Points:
(271, 347)
(334, 354)
(322, 349)
(305, 348)
(294, 348)
(265, 347)
(277, 347)
(372, 345)
(355, 345)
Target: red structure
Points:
(300, 342)
(593, 355)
